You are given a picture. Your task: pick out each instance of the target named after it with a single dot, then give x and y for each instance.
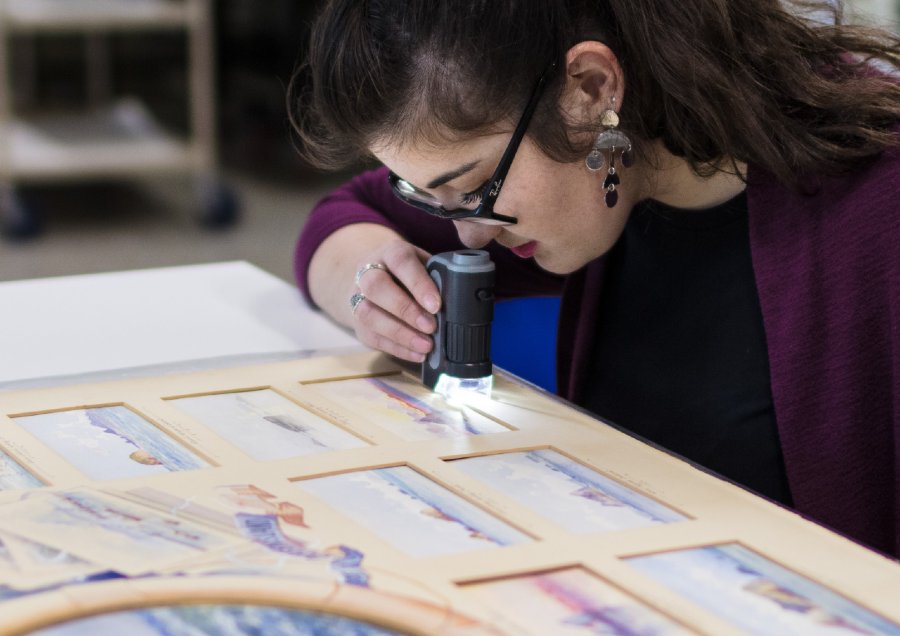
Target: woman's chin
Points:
(555, 265)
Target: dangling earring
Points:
(610, 141)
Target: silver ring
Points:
(355, 299)
(365, 268)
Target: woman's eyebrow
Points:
(450, 176)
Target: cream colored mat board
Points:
(273, 485)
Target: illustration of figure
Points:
(253, 497)
(347, 564)
(594, 616)
(143, 457)
(433, 512)
(286, 422)
(265, 530)
(595, 494)
(793, 602)
(596, 621)
(263, 526)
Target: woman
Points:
(712, 187)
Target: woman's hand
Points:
(398, 298)
(396, 312)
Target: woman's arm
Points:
(362, 223)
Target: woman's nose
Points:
(476, 235)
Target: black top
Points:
(680, 357)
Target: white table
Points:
(103, 326)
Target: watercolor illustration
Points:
(107, 530)
(570, 494)
(110, 442)
(216, 619)
(406, 408)
(759, 596)
(283, 539)
(266, 425)
(268, 521)
(411, 512)
(571, 601)
(14, 476)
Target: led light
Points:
(458, 389)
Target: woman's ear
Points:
(594, 82)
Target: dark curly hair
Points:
(791, 90)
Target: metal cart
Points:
(109, 138)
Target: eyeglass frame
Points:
(484, 212)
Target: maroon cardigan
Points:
(827, 269)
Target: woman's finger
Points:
(407, 264)
(381, 288)
(383, 331)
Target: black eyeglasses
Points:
(484, 213)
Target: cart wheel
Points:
(220, 207)
(19, 219)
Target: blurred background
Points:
(143, 133)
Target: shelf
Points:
(91, 15)
(121, 140)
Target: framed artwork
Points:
(412, 512)
(574, 496)
(110, 442)
(336, 495)
(266, 425)
(572, 601)
(757, 595)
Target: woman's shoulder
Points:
(871, 192)
(844, 228)
(882, 175)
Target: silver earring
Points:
(608, 143)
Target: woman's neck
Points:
(670, 180)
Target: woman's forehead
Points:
(421, 161)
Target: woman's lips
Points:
(525, 250)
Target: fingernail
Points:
(425, 324)
(432, 303)
(417, 357)
(422, 344)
